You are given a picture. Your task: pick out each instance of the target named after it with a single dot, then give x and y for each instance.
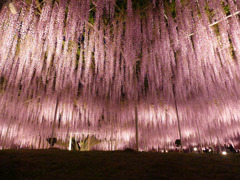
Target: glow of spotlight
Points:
(195, 149)
(70, 142)
(224, 153)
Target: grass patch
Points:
(58, 164)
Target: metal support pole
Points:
(219, 145)
(39, 143)
(199, 137)
(176, 108)
(111, 135)
(136, 108)
(136, 125)
(54, 124)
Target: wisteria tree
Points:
(131, 73)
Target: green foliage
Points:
(77, 57)
(140, 4)
(88, 143)
(122, 5)
(71, 44)
(18, 44)
(226, 8)
(170, 8)
(210, 12)
(66, 14)
(231, 49)
(92, 12)
(85, 145)
(63, 44)
(185, 2)
(2, 83)
(38, 4)
(92, 65)
(55, 1)
(216, 29)
(199, 13)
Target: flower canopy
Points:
(109, 68)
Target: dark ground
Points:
(58, 164)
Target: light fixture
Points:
(70, 142)
(12, 8)
(224, 153)
(195, 149)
